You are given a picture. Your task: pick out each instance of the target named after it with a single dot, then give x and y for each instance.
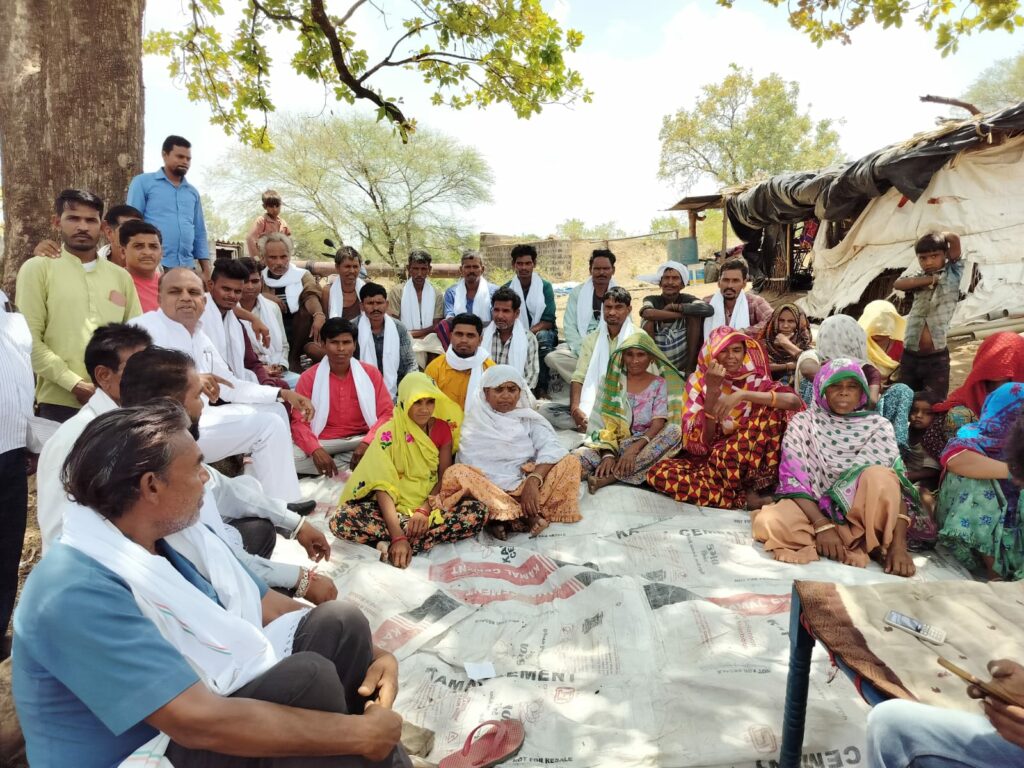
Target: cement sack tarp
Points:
(979, 195)
(650, 633)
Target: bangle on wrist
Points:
(540, 480)
(305, 576)
(823, 528)
(295, 533)
(396, 539)
(904, 517)
(421, 511)
(645, 437)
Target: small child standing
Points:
(935, 283)
(270, 221)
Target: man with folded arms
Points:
(252, 421)
(419, 306)
(218, 667)
(350, 399)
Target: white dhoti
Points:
(562, 360)
(340, 450)
(259, 430)
(428, 345)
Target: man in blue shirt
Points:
(95, 678)
(174, 207)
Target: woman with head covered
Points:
(512, 460)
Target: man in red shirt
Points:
(350, 401)
(142, 249)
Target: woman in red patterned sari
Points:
(733, 422)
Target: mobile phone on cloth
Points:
(926, 632)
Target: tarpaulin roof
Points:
(842, 192)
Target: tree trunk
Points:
(71, 111)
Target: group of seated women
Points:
(852, 468)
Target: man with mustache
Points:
(65, 299)
(734, 307)
(383, 341)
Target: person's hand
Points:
(528, 498)
(626, 465)
(281, 303)
(320, 589)
(1009, 675)
(830, 545)
(261, 331)
(314, 542)
(382, 730)
(82, 391)
(954, 251)
(714, 377)
(725, 404)
(787, 344)
(318, 322)
(324, 463)
(301, 403)
(417, 525)
(399, 554)
(276, 370)
(898, 561)
(48, 249)
(211, 385)
(357, 456)
(381, 681)
(606, 467)
(580, 418)
(1007, 719)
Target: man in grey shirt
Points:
(391, 348)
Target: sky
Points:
(643, 59)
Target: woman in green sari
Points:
(639, 416)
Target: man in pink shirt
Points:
(350, 401)
(142, 249)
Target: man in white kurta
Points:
(252, 421)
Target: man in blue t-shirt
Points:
(94, 678)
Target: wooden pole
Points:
(725, 228)
(693, 224)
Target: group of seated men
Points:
(146, 399)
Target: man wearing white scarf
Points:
(419, 306)
(457, 373)
(594, 354)
(471, 294)
(272, 349)
(351, 401)
(252, 421)
(219, 321)
(733, 306)
(342, 295)
(383, 341)
(507, 341)
(538, 313)
(138, 561)
(297, 295)
(582, 313)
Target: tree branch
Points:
(952, 103)
(386, 61)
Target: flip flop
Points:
(493, 747)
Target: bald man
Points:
(251, 418)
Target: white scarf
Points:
(264, 309)
(740, 314)
(481, 302)
(368, 351)
(227, 336)
(291, 281)
(474, 363)
(225, 646)
(684, 273)
(533, 302)
(417, 314)
(599, 363)
(519, 346)
(365, 394)
(336, 300)
(585, 306)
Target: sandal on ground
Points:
(493, 747)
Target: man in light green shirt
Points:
(597, 347)
(65, 299)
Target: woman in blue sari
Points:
(978, 505)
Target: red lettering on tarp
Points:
(535, 570)
(394, 633)
(751, 604)
(485, 596)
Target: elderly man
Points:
(383, 342)
(65, 299)
(351, 401)
(471, 294)
(297, 295)
(419, 306)
(507, 341)
(582, 313)
(251, 421)
(457, 373)
(212, 650)
(733, 306)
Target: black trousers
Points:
(331, 652)
(13, 514)
(59, 413)
(926, 370)
(258, 535)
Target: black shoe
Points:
(302, 507)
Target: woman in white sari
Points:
(511, 460)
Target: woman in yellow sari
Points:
(392, 496)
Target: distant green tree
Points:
(669, 223)
(576, 229)
(1000, 85)
(741, 129)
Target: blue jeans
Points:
(902, 734)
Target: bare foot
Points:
(498, 530)
(990, 567)
(382, 547)
(594, 484)
(537, 525)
